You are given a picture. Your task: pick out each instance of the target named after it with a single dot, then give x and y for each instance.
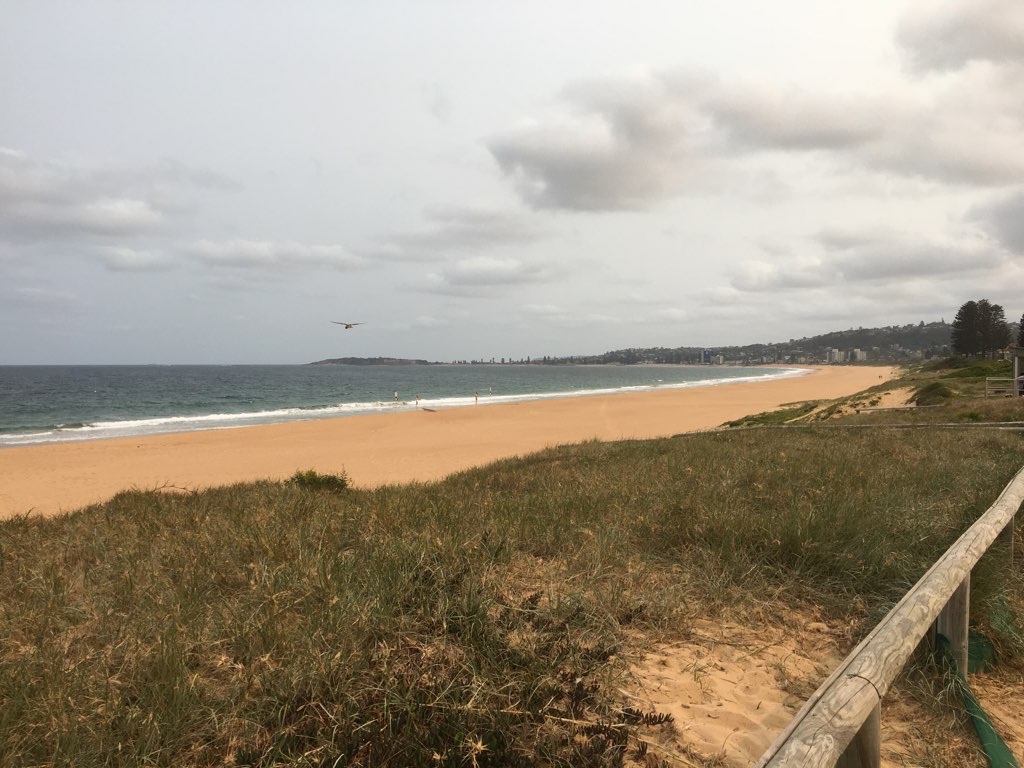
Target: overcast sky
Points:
(214, 182)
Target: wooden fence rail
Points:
(1000, 387)
(840, 724)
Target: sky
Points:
(215, 182)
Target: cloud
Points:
(953, 135)
(485, 276)
(1004, 220)
(756, 275)
(43, 298)
(452, 229)
(176, 172)
(759, 115)
(485, 270)
(428, 321)
(120, 259)
(848, 259)
(882, 261)
(437, 103)
(421, 321)
(672, 315)
(613, 145)
(544, 310)
(258, 254)
(115, 216)
(49, 200)
(96, 218)
(947, 36)
(620, 145)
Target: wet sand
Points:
(388, 448)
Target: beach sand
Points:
(388, 448)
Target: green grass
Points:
(932, 393)
(966, 368)
(962, 398)
(316, 481)
(483, 620)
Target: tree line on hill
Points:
(895, 343)
(980, 328)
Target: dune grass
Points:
(958, 386)
(787, 413)
(483, 620)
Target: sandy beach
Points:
(391, 448)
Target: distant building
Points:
(833, 355)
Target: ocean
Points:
(47, 404)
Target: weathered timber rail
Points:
(840, 725)
(1000, 387)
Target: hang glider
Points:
(347, 325)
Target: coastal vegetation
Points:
(488, 619)
(980, 328)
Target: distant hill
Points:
(923, 336)
(370, 361)
(892, 342)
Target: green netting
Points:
(980, 656)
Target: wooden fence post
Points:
(840, 723)
(865, 751)
(952, 622)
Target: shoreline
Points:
(150, 424)
(382, 449)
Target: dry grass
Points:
(483, 620)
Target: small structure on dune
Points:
(1002, 387)
(1017, 355)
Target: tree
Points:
(966, 334)
(995, 333)
(1020, 332)
(980, 328)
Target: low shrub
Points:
(935, 393)
(315, 481)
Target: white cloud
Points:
(948, 35)
(486, 270)
(673, 315)
(259, 254)
(618, 145)
(428, 321)
(544, 310)
(766, 115)
(42, 297)
(861, 261)
(121, 259)
(48, 200)
(483, 276)
(451, 229)
(116, 216)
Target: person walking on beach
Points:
(476, 398)
(396, 395)
(417, 401)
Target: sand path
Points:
(389, 448)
